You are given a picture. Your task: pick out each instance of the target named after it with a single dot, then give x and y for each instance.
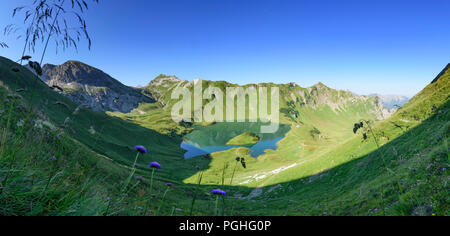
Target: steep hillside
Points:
(87, 85)
(62, 159)
(105, 135)
(337, 172)
(406, 175)
(321, 167)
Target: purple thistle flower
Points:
(108, 198)
(178, 209)
(218, 192)
(141, 149)
(154, 165)
(53, 158)
(375, 210)
(444, 169)
(169, 184)
(140, 208)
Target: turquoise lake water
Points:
(209, 139)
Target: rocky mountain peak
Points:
(320, 86)
(78, 72)
(90, 86)
(164, 80)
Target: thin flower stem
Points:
(196, 192)
(5, 132)
(217, 203)
(107, 208)
(446, 147)
(231, 182)
(162, 201)
(134, 186)
(27, 38)
(50, 177)
(234, 171)
(131, 174)
(223, 206)
(223, 174)
(151, 181)
(13, 156)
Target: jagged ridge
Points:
(87, 85)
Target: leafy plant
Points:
(196, 193)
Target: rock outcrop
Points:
(90, 86)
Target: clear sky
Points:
(366, 46)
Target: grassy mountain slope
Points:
(319, 168)
(357, 178)
(94, 146)
(318, 118)
(350, 175)
(103, 134)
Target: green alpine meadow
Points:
(121, 139)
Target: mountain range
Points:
(391, 101)
(339, 154)
(86, 85)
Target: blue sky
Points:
(366, 46)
